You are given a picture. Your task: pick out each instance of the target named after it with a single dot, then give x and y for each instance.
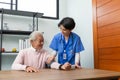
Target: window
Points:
(50, 8)
(5, 4)
(8, 4)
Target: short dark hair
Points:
(68, 23)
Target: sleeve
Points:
(53, 44)
(18, 63)
(77, 58)
(54, 53)
(79, 46)
(55, 65)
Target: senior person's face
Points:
(38, 42)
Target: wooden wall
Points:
(106, 25)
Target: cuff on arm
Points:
(55, 65)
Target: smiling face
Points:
(65, 32)
(38, 42)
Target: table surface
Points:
(52, 74)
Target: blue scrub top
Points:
(67, 50)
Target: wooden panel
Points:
(109, 30)
(102, 2)
(107, 36)
(112, 41)
(109, 6)
(110, 53)
(109, 18)
(94, 34)
(110, 65)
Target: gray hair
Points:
(34, 34)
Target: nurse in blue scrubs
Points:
(67, 45)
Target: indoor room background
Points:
(80, 10)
